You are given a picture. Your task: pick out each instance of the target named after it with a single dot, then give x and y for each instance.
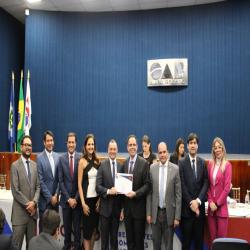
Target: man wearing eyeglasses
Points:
(47, 165)
(135, 201)
(25, 188)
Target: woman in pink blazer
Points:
(219, 180)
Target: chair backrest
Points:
(230, 244)
(236, 194)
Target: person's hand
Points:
(149, 220)
(72, 203)
(86, 210)
(32, 212)
(122, 215)
(131, 194)
(213, 207)
(30, 206)
(176, 223)
(112, 191)
(53, 200)
(197, 212)
(97, 205)
(194, 205)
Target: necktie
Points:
(28, 167)
(162, 187)
(113, 172)
(131, 167)
(52, 164)
(71, 166)
(194, 170)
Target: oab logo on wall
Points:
(168, 72)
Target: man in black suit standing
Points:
(194, 184)
(135, 201)
(110, 209)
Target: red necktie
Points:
(71, 166)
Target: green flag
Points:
(20, 133)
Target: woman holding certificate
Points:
(219, 180)
(87, 172)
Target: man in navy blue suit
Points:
(70, 201)
(194, 184)
(110, 209)
(47, 165)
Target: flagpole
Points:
(13, 78)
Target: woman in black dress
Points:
(147, 152)
(179, 152)
(87, 172)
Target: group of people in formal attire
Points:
(165, 194)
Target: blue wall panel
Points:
(11, 59)
(89, 75)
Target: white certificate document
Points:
(123, 183)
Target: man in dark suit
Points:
(110, 205)
(70, 201)
(194, 184)
(25, 188)
(47, 165)
(164, 199)
(135, 201)
(5, 239)
(48, 238)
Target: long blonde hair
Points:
(224, 157)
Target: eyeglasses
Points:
(27, 145)
(132, 145)
(217, 148)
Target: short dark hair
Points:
(69, 135)
(191, 137)
(2, 220)
(26, 136)
(51, 221)
(47, 133)
(131, 136)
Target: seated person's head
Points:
(2, 220)
(51, 222)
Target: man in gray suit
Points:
(110, 205)
(164, 199)
(48, 238)
(25, 188)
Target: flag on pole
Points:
(27, 118)
(20, 133)
(12, 120)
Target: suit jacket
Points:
(23, 191)
(191, 189)
(104, 181)
(45, 241)
(49, 183)
(221, 188)
(141, 186)
(68, 186)
(172, 196)
(6, 242)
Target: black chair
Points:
(230, 244)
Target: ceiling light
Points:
(34, 1)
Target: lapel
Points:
(136, 164)
(169, 174)
(67, 166)
(217, 175)
(126, 162)
(156, 174)
(190, 169)
(198, 166)
(109, 170)
(47, 163)
(23, 169)
(75, 166)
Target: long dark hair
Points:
(147, 140)
(95, 156)
(176, 152)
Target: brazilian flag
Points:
(20, 132)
